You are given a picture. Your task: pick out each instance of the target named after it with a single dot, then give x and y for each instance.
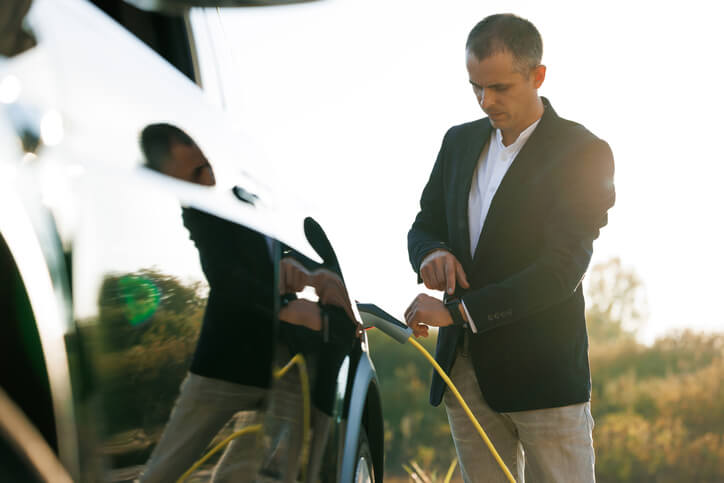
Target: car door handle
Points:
(245, 196)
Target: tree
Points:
(615, 302)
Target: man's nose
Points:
(486, 99)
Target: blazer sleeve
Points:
(429, 230)
(585, 193)
(236, 263)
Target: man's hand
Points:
(331, 290)
(293, 277)
(440, 270)
(425, 311)
(302, 312)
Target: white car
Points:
(111, 251)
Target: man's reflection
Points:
(172, 152)
(231, 369)
(231, 366)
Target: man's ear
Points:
(539, 75)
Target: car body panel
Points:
(84, 219)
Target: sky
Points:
(349, 101)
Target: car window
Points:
(165, 34)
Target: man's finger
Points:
(410, 316)
(413, 315)
(461, 275)
(450, 276)
(339, 300)
(428, 276)
(407, 310)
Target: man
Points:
(506, 228)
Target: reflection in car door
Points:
(139, 289)
(167, 255)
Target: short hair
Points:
(156, 140)
(507, 32)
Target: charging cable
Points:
(297, 360)
(373, 316)
(475, 422)
(249, 429)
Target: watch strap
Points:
(453, 306)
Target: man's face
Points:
(508, 97)
(187, 162)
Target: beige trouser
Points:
(205, 406)
(544, 445)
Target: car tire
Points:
(364, 470)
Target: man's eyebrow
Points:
(491, 86)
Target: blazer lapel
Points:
(528, 161)
(465, 179)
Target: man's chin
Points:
(497, 121)
(497, 124)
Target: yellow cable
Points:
(217, 448)
(475, 422)
(298, 360)
(450, 470)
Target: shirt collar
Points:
(518, 143)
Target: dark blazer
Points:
(238, 335)
(237, 338)
(531, 346)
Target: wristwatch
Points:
(453, 306)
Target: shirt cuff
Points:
(470, 319)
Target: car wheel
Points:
(364, 471)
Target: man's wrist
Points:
(431, 253)
(456, 311)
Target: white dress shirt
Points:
(493, 164)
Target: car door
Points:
(139, 291)
(144, 247)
